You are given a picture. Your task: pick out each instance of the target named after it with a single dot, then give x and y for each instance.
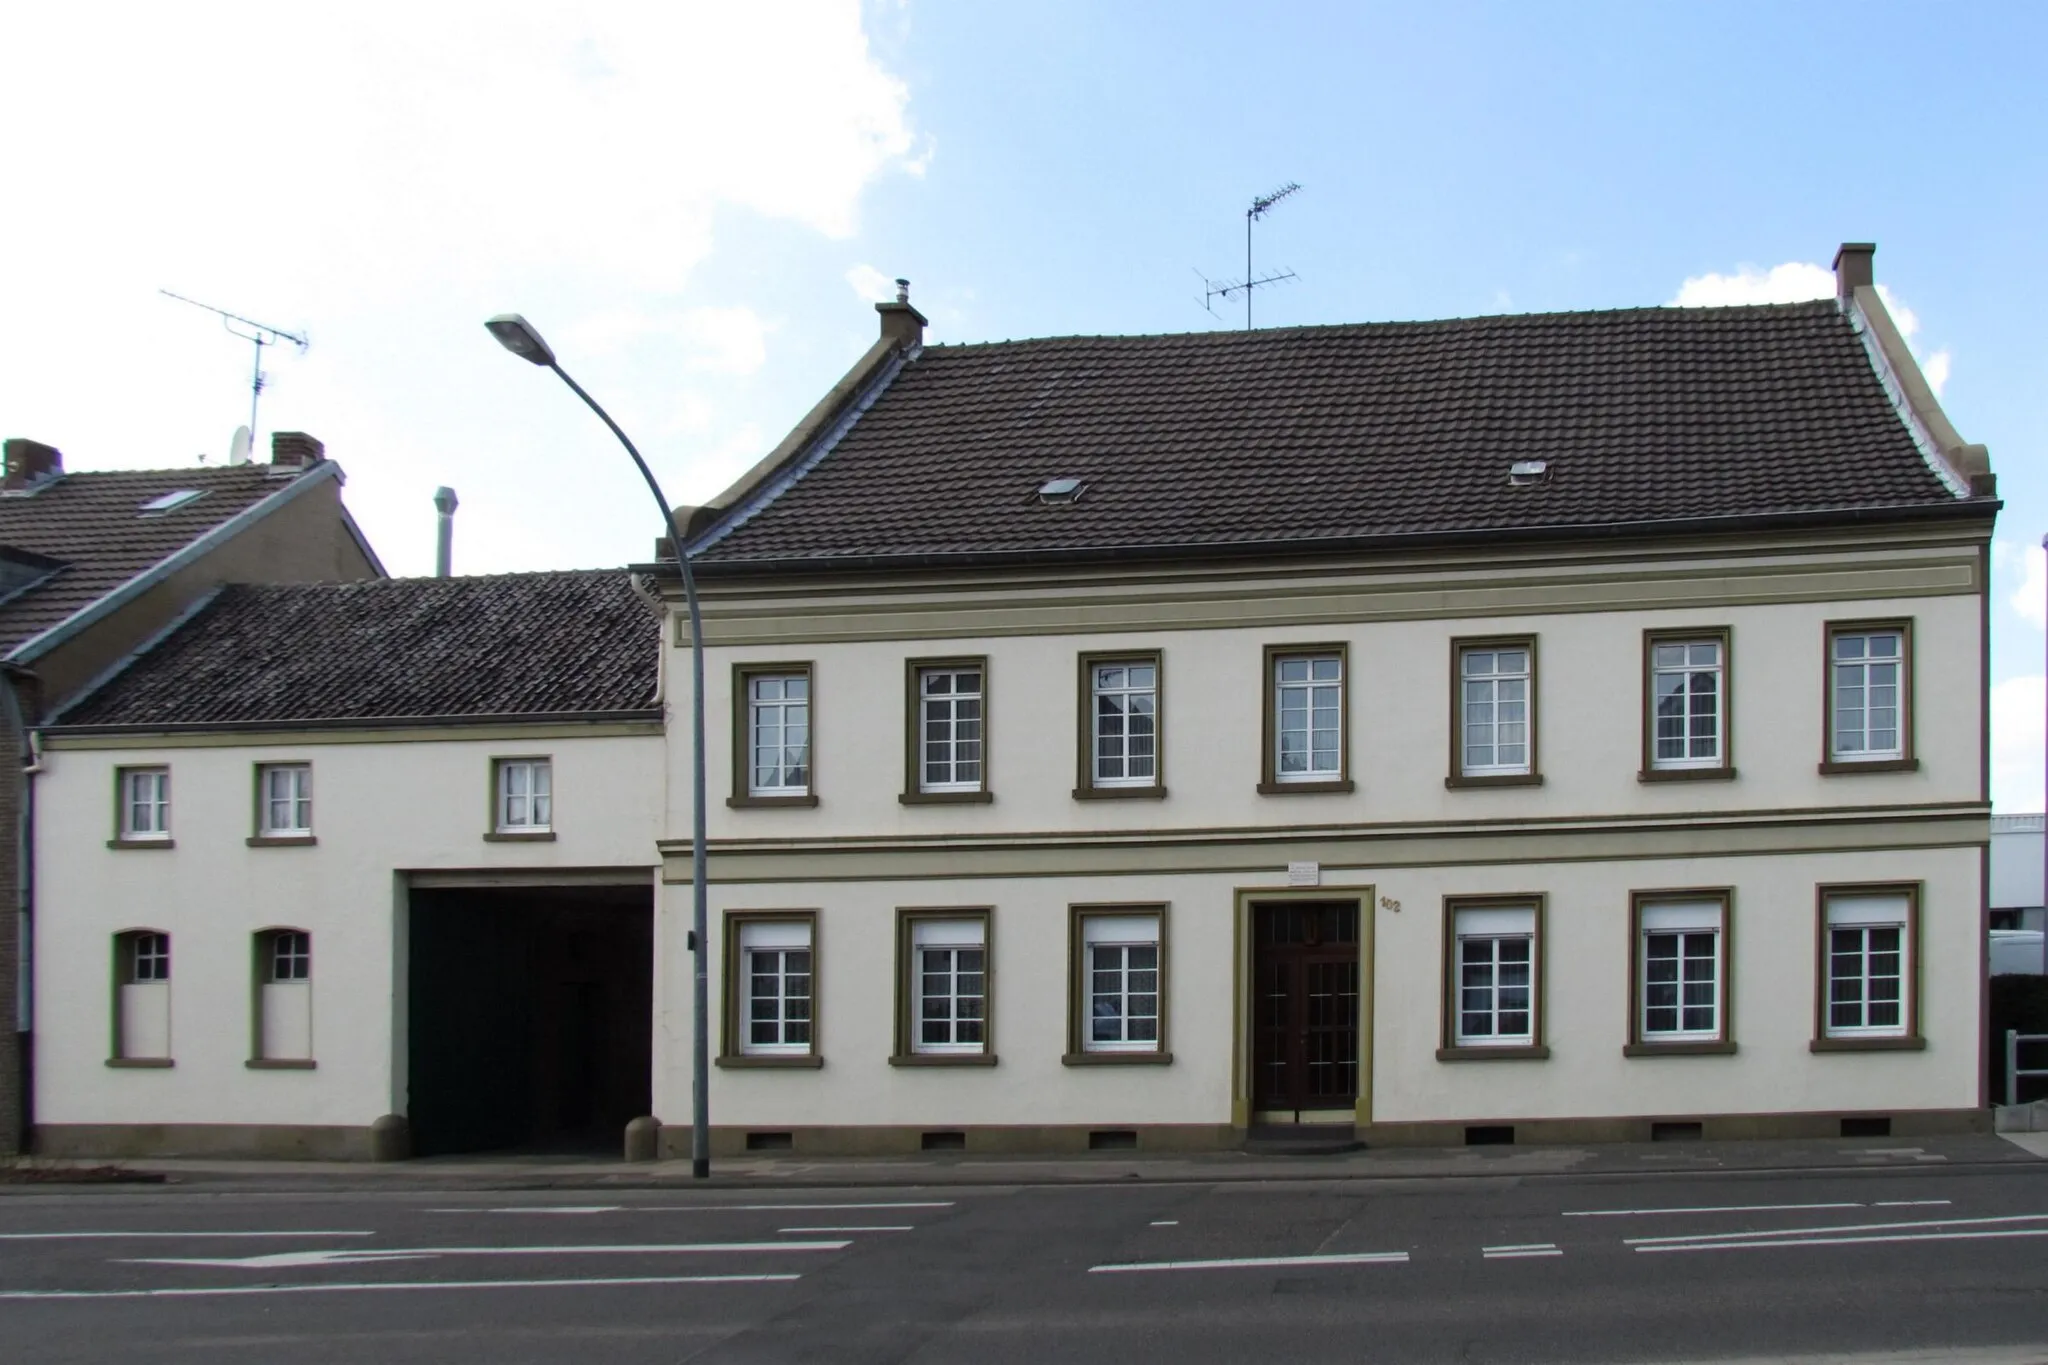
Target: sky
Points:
(697, 203)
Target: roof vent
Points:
(1060, 490)
(1523, 473)
(170, 502)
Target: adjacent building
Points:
(1562, 727)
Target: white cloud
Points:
(2019, 725)
(870, 283)
(2030, 594)
(1798, 282)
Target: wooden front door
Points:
(1305, 1005)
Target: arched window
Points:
(142, 997)
(283, 1036)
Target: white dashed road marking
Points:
(1515, 1253)
(1254, 1262)
(223, 1291)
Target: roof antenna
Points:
(262, 334)
(1223, 289)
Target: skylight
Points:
(1524, 472)
(1060, 490)
(170, 502)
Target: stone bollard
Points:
(390, 1138)
(643, 1138)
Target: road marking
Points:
(1254, 1262)
(785, 1208)
(900, 1227)
(1725, 1208)
(543, 1208)
(1980, 1233)
(1822, 1232)
(101, 1236)
(354, 1256)
(1909, 1203)
(1166, 1223)
(219, 1291)
(1522, 1252)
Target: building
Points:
(1562, 727)
(92, 566)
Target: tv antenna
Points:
(1223, 289)
(260, 333)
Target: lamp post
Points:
(518, 336)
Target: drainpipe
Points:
(444, 545)
(30, 760)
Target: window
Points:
(525, 800)
(947, 757)
(1866, 967)
(145, 796)
(771, 993)
(142, 999)
(1869, 718)
(1679, 996)
(284, 801)
(1493, 987)
(1119, 984)
(1306, 716)
(1687, 697)
(1120, 726)
(1494, 725)
(284, 999)
(772, 735)
(944, 986)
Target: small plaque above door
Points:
(1304, 874)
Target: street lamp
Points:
(518, 336)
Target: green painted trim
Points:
(282, 737)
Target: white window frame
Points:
(1687, 670)
(149, 955)
(1856, 674)
(775, 944)
(1496, 928)
(959, 958)
(1134, 706)
(1317, 698)
(1123, 938)
(962, 752)
(537, 814)
(1494, 682)
(780, 714)
(1862, 915)
(145, 803)
(1684, 921)
(294, 799)
(288, 957)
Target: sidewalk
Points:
(526, 1172)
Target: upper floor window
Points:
(145, 803)
(525, 799)
(948, 754)
(1495, 733)
(1868, 701)
(1688, 683)
(285, 800)
(778, 733)
(1307, 711)
(1121, 743)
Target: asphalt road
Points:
(1906, 1259)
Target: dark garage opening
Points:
(531, 1015)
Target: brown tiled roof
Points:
(1340, 433)
(507, 645)
(92, 522)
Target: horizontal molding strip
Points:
(285, 737)
(1363, 848)
(980, 612)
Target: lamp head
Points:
(518, 336)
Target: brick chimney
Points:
(901, 323)
(30, 462)
(1852, 268)
(295, 450)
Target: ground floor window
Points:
(945, 983)
(284, 995)
(1121, 976)
(1866, 963)
(771, 987)
(1494, 983)
(1680, 970)
(142, 999)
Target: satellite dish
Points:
(238, 447)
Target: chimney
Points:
(901, 323)
(444, 544)
(1852, 268)
(295, 450)
(30, 463)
